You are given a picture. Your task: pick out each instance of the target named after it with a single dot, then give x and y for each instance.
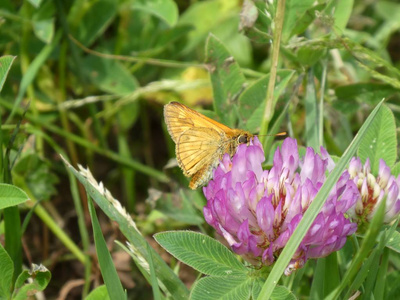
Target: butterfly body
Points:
(200, 141)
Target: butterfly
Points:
(200, 141)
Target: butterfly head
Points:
(244, 138)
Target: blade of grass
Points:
(154, 282)
(13, 246)
(311, 112)
(31, 72)
(113, 209)
(108, 271)
(363, 253)
(313, 210)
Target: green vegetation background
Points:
(89, 80)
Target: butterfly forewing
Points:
(180, 118)
(197, 147)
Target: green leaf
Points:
(313, 210)
(342, 13)
(366, 92)
(33, 171)
(39, 279)
(115, 212)
(203, 16)
(395, 170)
(35, 3)
(226, 77)
(96, 20)
(43, 22)
(201, 252)
(380, 140)
(166, 10)
(307, 18)
(394, 242)
(252, 102)
(222, 288)
(294, 10)
(107, 268)
(109, 75)
(99, 293)
(279, 293)
(10, 195)
(6, 271)
(5, 66)
(44, 30)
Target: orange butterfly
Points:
(200, 141)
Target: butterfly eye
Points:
(242, 139)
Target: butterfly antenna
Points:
(283, 133)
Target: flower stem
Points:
(280, 11)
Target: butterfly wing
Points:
(179, 118)
(196, 148)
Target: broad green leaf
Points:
(35, 3)
(10, 195)
(226, 77)
(31, 170)
(261, 29)
(395, 170)
(5, 65)
(43, 22)
(201, 252)
(342, 13)
(294, 10)
(366, 92)
(203, 16)
(112, 208)
(380, 140)
(394, 242)
(44, 30)
(252, 102)
(166, 10)
(107, 267)
(99, 293)
(279, 293)
(6, 271)
(307, 18)
(96, 20)
(313, 210)
(109, 75)
(39, 279)
(222, 288)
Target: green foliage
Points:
(11, 195)
(110, 276)
(380, 141)
(96, 75)
(39, 278)
(201, 252)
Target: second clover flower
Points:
(256, 210)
